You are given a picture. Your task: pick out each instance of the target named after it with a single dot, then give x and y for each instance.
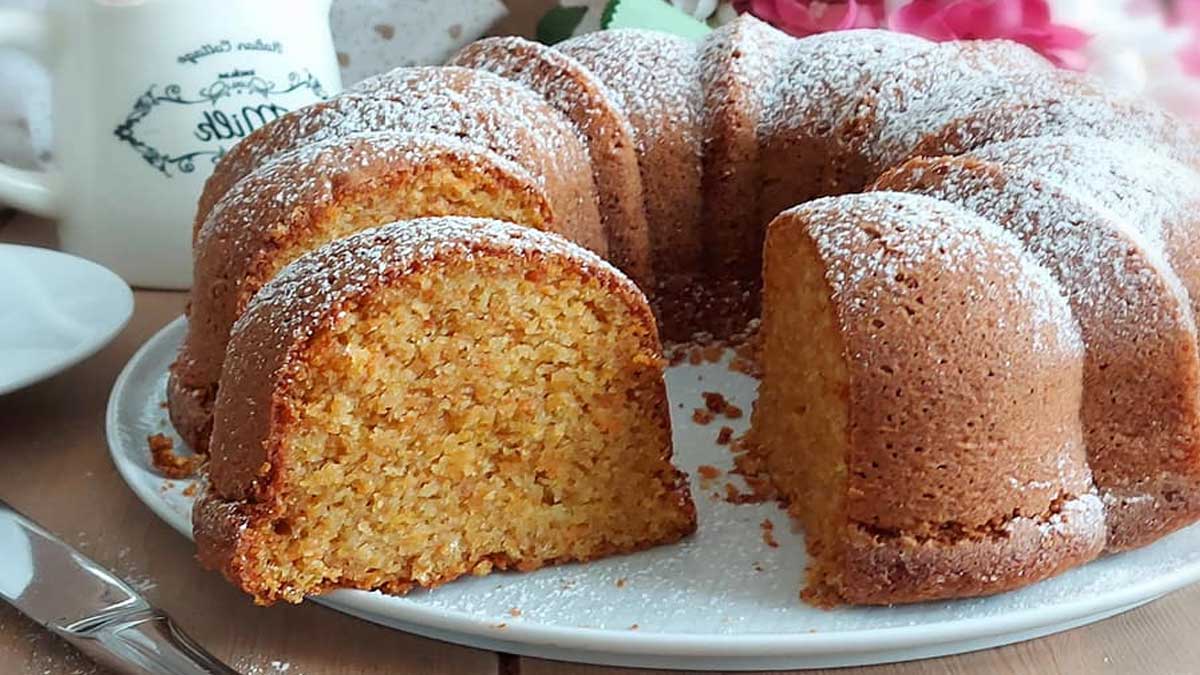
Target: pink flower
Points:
(801, 17)
(1188, 14)
(1024, 21)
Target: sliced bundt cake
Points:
(919, 407)
(1138, 331)
(436, 398)
(305, 198)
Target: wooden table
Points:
(54, 466)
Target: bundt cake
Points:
(919, 405)
(1138, 331)
(435, 398)
(979, 372)
(307, 197)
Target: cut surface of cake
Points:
(919, 407)
(437, 398)
(317, 193)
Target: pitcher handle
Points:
(33, 191)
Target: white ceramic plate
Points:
(55, 310)
(721, 600)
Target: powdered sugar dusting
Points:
(566, 84)
(1066, 104)
(304, 179)
(1137, 184)
(923, 93)
(913, 230)
(653, 77)
(1085, 513)
(1119, 287)
(823, 76)
(473, 105)
(351, 266)
(738, 60)
(479, 105)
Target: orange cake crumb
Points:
(708, 471)
(724, 436)
(621, 582)
(735, 496)
(514, 611)
(165, 459)
(768, 533)
(702, 416)
(714, 401)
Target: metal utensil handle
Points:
(143, 641)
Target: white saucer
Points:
(723, 600)
(55, 310)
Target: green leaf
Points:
(653, 15)
(559, 23)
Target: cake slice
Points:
(475, 106)
(305, 198)
(436, 398)
(919, 406)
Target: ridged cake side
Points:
(919, 408)
(1138, 330)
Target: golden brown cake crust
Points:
(885, 570)
(1136, 324)
(949, 335)
(470, 104)
(572, 89)
(735, 61)
(654, 76)
(279, 207)
(247, 464)
(1062, 103)
(925, 91)
(932, 383)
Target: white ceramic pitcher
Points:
(148, 94)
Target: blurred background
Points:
(1150, 47)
